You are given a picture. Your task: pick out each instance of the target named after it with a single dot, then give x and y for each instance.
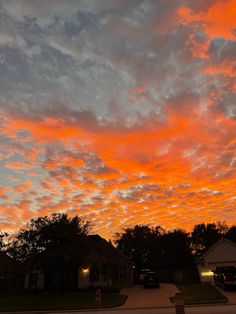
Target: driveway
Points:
(139, 297)
(230, 294)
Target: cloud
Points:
(120, 111)
(3, 193)
(213, 21)
(18, 166)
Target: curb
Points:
(114, 309)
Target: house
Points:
(11, 274)
(105, 266)
(222, 253)
(96, 263)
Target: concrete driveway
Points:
(230, 294)
(139, 297)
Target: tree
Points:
(3, 235)
(154, 248)
(231, 234)
(46, 233)
(204, 236)
(136, 243)
(174, 250)
(55, 244)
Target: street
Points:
(214, 309)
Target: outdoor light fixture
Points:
(207, 273)
(85, 271)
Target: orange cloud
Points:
(19, 166)
(45, 130)
(3, 193)
(174, 174)
(218, 21)
(175, 171)
(227, 69)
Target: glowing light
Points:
(207, 273)
(85, 271)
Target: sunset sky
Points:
(120, 111)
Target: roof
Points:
(83, 249)
(213, 247)
(106, 249)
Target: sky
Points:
(122, 112)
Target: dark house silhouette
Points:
(11, 274)
(97, 263)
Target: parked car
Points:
(142, 273)
(151, 280)
(225, 276)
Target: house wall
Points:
(205, 270)
(37, 284)
(129, 278)
(40, 281)
(84, 278)
(223, 254)
(11, 274)
(225, 251)
(185, 275)
(113, 270)
(122, 278)
(102, 282)
(26, 285)
(11, 282)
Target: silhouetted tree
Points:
(136, 243)
(204, 236)
(174, 250)
(231, 234)
(154, 248)
(3, 236)
(54, 243)
(46, 233)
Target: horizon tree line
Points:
(57, 240)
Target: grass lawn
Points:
(201, 293)
(57, 301)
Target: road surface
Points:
(214, 309)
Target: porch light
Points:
(207, 273)
(85, 271)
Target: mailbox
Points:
(179, 303)
(98, 297)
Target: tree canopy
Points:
(157, 248)
(136, 243)
(3, 236)
(58, 240)
(45, 234)
(204, 236)
(152, 247)
(52, 243)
